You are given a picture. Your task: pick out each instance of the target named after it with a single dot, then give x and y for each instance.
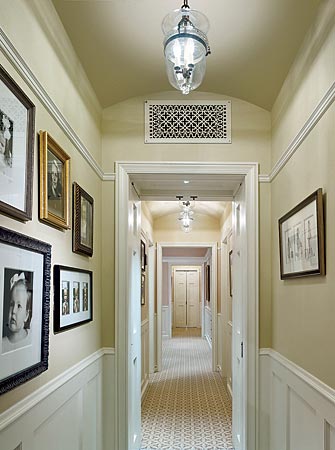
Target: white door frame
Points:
(209, 245)
(250, 173)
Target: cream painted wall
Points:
(304, 309)
(25, 27)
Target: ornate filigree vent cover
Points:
(188, 122)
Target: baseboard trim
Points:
(322, 388)
(20, 408)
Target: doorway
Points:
(225, 174)
(186, 297)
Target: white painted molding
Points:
(320, 109)
(28, 76)
(20, 408)
(322, 388)
(14, 57)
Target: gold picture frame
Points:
(54, 183)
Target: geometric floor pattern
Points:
(186, 406)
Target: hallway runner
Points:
(186, 406)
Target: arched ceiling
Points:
(253, 44)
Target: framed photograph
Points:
(301, 239)
(73, 304)
(24, 308)
(142, 289)
(207, 283)
(143, 256)
(54, 183)
(82, 227)
(17, 125)
(230, 266)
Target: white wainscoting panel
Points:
(220, 344)
(208, 326)
(67, 413)
(166, 321)
(297, 411)
(144, 356)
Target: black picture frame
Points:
(143, 256)
(208, 283)
(83, 218)
(73, 297)
(230, 268)
(17, 114)
(301, 239)
(25, 263)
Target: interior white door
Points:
(180, 296)
(134, 321)
(239, 282)
(192, 298)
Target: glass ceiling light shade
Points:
(185, 47)
(186, 214)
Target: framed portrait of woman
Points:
(82, 227)
(54, 182)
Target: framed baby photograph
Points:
(54, 182)
(301, 239)
(17, 124)
(24, 308)
(82, 228)
(72, 297)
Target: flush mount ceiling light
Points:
(185, 47)
(186, 214)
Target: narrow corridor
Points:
(186, 406)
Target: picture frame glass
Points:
(55, 169)
(13, 149)
(21, 309)
(86, 221)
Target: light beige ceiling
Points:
(162, 208)
(193, 252)
(253, 44)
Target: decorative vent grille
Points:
(188, 122)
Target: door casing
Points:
(250, 173)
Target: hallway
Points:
(186, 405)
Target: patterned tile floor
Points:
(186, 406)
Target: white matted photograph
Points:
(301, 239)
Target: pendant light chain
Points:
(185, 5)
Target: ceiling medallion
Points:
(185, 47)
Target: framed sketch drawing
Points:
(142, 289)
(24, 308)
(54, 182)
(82, 227)
(72, 297)
(17, 122)
(301, 239)
(143, 256)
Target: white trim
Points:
(323, 389)
(28, 76)
(15, 412)
(14, 57)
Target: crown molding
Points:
(28, 76)
(14, 57)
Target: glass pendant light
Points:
(185, 47)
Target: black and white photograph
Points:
(54, 182)
(17, 121)
(65, 298)
(24, 308)
(79, 284)
(83, 207)
(301, 239)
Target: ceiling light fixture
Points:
(186, 214)
(185, 47)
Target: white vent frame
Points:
(225, 137)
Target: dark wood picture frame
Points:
(230, 267)
(54, 200)
(143, 256)
(82, 224)
(142, 289)
(72, 308)
(34, 257)
(12, 146)
(301, 239)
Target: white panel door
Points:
(193, 299)
(239, 283)
(180, 292)
(134, 321)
